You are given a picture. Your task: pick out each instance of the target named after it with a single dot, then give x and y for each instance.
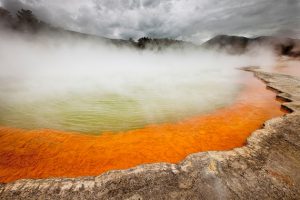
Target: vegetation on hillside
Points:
(24, 20)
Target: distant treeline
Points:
(24, 20)
(144, 42)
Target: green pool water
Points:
(97, 111)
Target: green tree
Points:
(142, 42)
(27, 17)
(28, 21)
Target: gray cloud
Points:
(181, 19)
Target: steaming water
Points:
(93, 88)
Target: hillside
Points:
(239, 45)
(26, 22)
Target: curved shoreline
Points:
(40, 154)
(267, 167)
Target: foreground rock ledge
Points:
(268, 167)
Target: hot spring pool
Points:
(114, 104)
(135, 107)
(82, 87)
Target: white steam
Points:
(88, 86)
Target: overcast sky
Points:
(194, 20)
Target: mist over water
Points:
(80, 85)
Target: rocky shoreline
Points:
(268, 167)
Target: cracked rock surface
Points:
(268, 167)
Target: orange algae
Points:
(50, 153)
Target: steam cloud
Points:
(69, 84)
(192, 20)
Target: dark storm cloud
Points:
(182, 19)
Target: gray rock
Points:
(267, 167)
